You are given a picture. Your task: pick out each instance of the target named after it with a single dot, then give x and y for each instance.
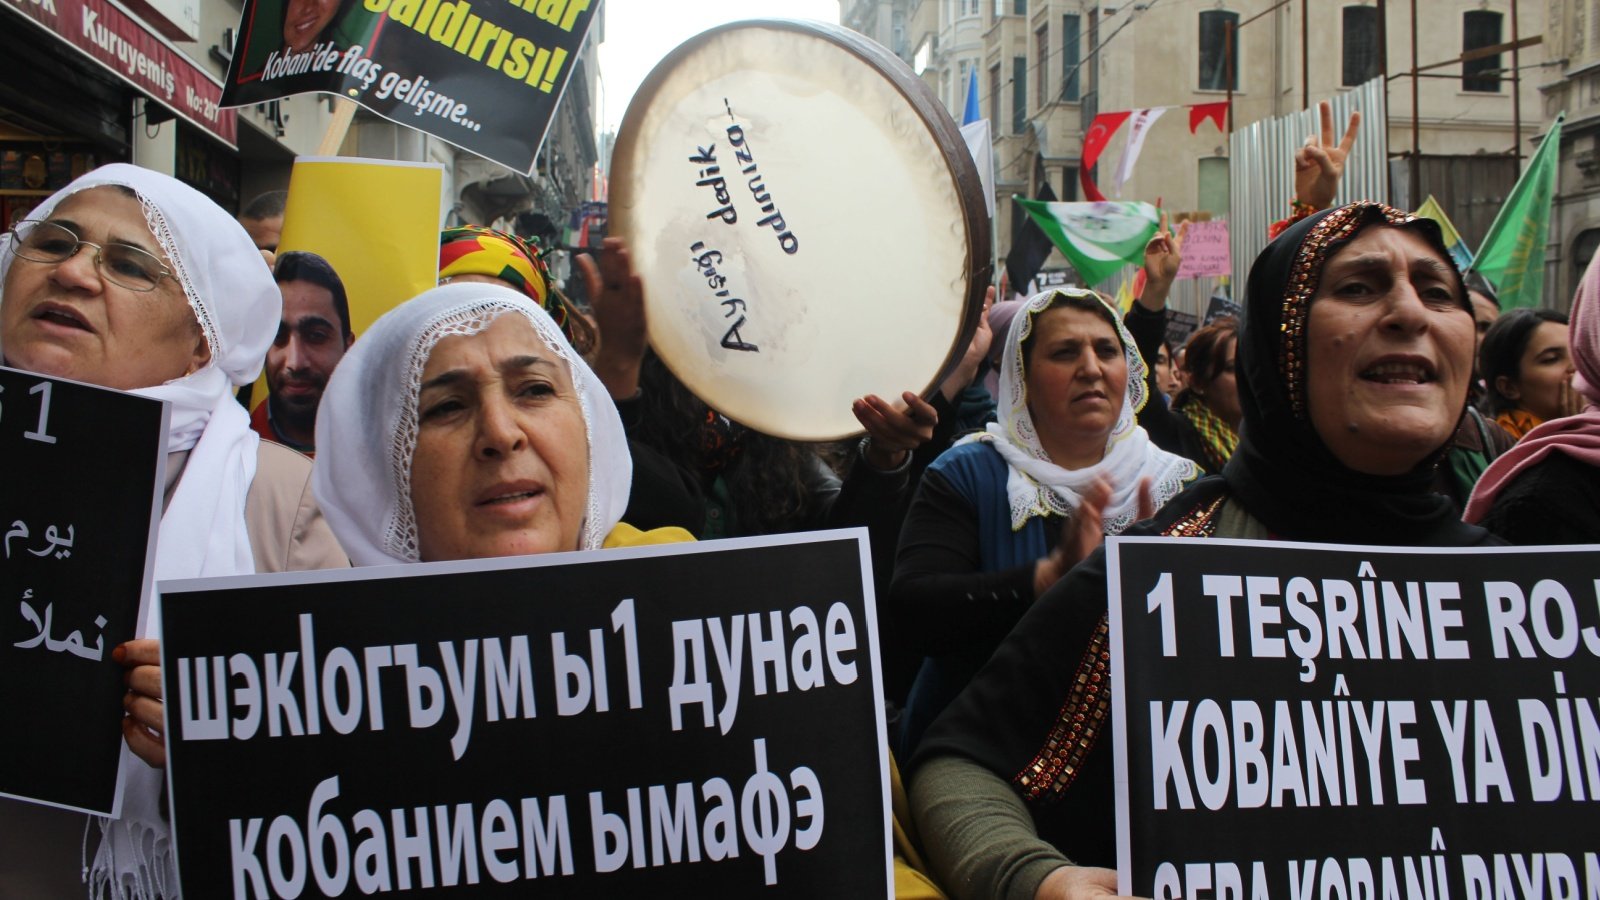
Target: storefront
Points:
(82, 82)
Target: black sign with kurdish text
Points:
(485, 75)
(1299, 720)
(686, 720)
(77, 544)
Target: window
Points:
(1019, 7)
(1480, 28)
(1091, 65)
(1019, 94)
(1213, 183)
(1069, 184)
(1361, 54)
(1214, 63)
(994, 95)
(1041, 57)
(1069, 58)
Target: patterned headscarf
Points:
(476, 250)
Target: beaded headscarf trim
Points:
(1331, 230)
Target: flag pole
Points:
(344, 110)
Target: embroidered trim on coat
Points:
(1082, 717)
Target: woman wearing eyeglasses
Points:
(132, 280)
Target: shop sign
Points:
(116, 40)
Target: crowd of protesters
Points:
(1369, 395)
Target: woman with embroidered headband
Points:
(1002, 516)
(1354, 362)
(133, 280)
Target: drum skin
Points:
(807, 221)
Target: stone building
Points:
(1046, 67)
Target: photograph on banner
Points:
(360, 237)
(678, 719)
(78, 546)
(1275, 701)
(484, 77)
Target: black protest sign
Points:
(1222, 306)
(77, 540)
(1298, 720)
(1180, 325)
(485, 76)
(696, 719)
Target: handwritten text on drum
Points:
(442, 846)
(711, 177)
(300, 692)
(707, 262)
(758, 185)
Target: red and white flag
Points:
(1094, 140)
(1142, 120)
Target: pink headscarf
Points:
(1577, 436)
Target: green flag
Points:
(1097, 238)
(1512, 254)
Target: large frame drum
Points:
(807, 220)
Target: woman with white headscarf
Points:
(1002, 516)
(463, 425)
(133, 280)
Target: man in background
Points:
(312, 337)
(263, 218)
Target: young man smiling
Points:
(313, 335)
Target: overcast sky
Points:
(640, 32)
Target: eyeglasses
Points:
(120, 264)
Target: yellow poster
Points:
(375, 221)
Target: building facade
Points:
(1572, 86)
(1047, 67)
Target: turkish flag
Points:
(1094, 141)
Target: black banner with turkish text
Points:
(1299, 720)
(485, 76)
